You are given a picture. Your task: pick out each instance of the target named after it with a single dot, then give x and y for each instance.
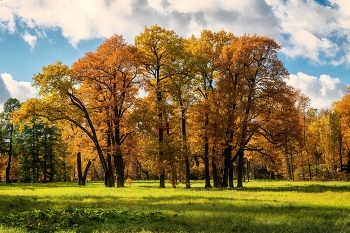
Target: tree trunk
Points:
(160, 136)
(162, 179)
(109, 177)
(81, 176)
(227, 165)
(119, 166)
(188, 174)
(52, 168)
(80, 173)
(86, 172)
(110, 169)
(184, 138)
(215, 173)
(292, 166)
(8, 168)
(230, 176)
(45, 159)
(248, 170)
(173, 175)
(206, 162)
(240, 167)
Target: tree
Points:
(342, 111)
(254, 77)
(61, 100)
(109, 75)
(159, 49)
(206, 51)
(8, 130)
(82, 176)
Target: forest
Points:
(214, 107)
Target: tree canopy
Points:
(174, 108)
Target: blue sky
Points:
(314, 35)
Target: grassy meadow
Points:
(261, 206)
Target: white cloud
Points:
(303, 28)
(19, 90)
(322, 91)
(30, 39)
(7, 21)
(83, 20)
(313, 31)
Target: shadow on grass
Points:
(185, 215)
(194, 210)
(310, 188)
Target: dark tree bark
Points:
(184, 138)
(206, 162)
(248, 170)
(227, 165)
(160, 140)
(215, 173)
(230, 176)
(162, 179)
(82, 176)
(240, 167)
(119, 165)
(110, 168)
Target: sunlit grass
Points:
(261, 206)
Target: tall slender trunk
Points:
(309, 167)
(230, 176)
(240, 167)
(109, 174)
(52, 168)
(227, 165)
(188, 174)
(79, 169)
(8, 168)
(110, 167)
(292, 166)
(215, 171)
(119, 165)
(340, 151)
(206, 162)
(305, 148)
(37, 159)
(45, 158)
(248, 170)
(184, 139)
(160, 137)
(206, 154)
(162, 179)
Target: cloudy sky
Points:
(314, 35)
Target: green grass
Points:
(261, 206)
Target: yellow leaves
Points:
(55, 78)
(158, 47)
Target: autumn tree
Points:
(253, 79)
(342, 109)
(109, 75)
(182, 88)
(61, 100)
(159, 49)
(206, 50)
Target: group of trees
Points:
(31, 152)
(213, 107)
